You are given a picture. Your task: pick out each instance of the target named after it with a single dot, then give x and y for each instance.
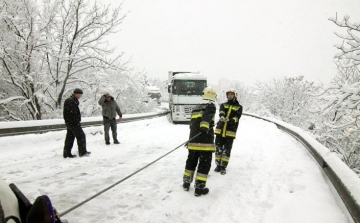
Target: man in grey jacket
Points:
(109, 110)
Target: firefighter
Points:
(201, 147)
(230, 113)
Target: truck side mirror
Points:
(169, 88)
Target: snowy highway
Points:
(271, 177)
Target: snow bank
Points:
(333, 166)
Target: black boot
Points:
(186, 186)
(70, 156)
(200, 189)
(223, 170)
(66, 155)
(187, 181)
(85, 154)
(217, 169)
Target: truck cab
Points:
(185, 92)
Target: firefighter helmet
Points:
(232, 91)
(209, 93)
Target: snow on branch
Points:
(352, 40)
(10, 99)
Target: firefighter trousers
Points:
(223, 150)
(201, 160)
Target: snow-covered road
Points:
(271, 177)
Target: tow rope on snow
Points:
(125, 178)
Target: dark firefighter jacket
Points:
(233, 111)
(71, 111)
(109, 108)
(202, 120)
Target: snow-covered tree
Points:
(289, 99)
(350, 47)
(49, 49)
(78, 48)
(338, 127)
(21, 73)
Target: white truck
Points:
(152, 93)
(185, 92)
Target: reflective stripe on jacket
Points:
(232, 111)
(202, 118)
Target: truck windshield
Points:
(189, 87)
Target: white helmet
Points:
(209, 93)
(232, 91)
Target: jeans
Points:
(110, 123)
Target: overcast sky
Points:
(234, 39)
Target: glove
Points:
(203, 130)
(223, 119)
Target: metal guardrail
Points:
(58, 127)
(351, 203)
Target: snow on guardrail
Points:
(38, 126)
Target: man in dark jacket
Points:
(230, 113)
(201, 146)
(109, 110)
(72, 117)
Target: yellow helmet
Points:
(209, 93)
(232, 91)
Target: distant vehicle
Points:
(185, 92)
(152, 93)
